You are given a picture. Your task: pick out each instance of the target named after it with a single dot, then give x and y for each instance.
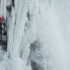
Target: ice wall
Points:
(3, 8)
(35, 37)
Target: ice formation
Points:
(36, 36)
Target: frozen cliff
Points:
(36, 31)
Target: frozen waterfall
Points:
(36, 35)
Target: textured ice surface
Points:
(38, 35)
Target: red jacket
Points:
(1, 19)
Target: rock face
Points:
(35, 34)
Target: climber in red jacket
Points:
(1, 23)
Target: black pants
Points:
(0, 28)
